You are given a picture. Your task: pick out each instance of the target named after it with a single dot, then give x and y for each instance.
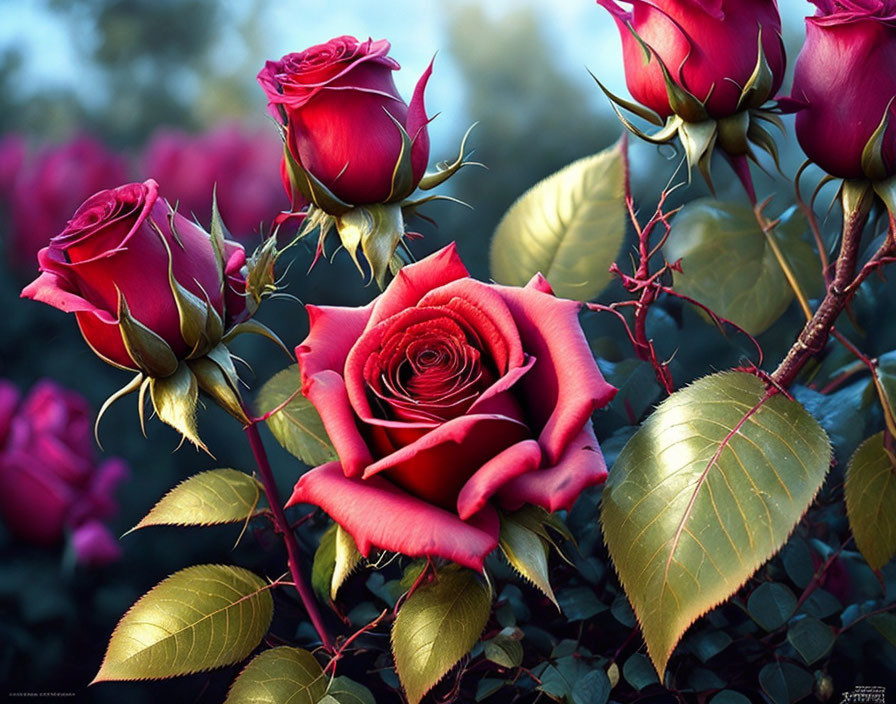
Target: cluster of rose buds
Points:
(52, 484)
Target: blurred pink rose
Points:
(242, 164)
(12, 156)
(45, 189)
(50, 483)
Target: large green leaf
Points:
(202, 617)
(297, 426)
(704, 493)
(280, 675)
(209, 498)
(437, 625)
(569, 227)
(728, 265)
(870, 491)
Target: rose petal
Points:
(378, 514)
(565, 386)
(516, 460)
(555, 488)
(95, 545)
(333, 330)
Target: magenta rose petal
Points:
(555, 488)
(516, 460)
(333, 331)
(565, 386)
(380, 515)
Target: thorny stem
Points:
(281, 525)
(843, 286)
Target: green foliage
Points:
(280, 675)
(771, 604)
(569, 227)
(208, 498)
(297, 426)
(785, 683)
(345, 691)
(704, 493)
(870, 493)
(526, 551)
(437, 625)
(202, 617)
(504, 649)
(728, 265)
(811, 638)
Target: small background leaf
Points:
(526, 551)
(689, 516)
(436, 627)
(569, 227)
(199, 618)
(870, 491)
(728, 266)
(209, 498)
(771, 604)
(345, 691)
(280, 675)
(297, 426)
(811, 638)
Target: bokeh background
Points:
(99, 92)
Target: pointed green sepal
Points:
(312, 189)
(218, 235)
(261, 280)
(759, 85)
(132, 386)
(255, 328)
(763, 139)
(216, 376)
(873, 164)
(732, 133)
(444, 170)
(174, 399)
(403, 173)
(857, 197)
(377, 229)
(641, 111)
(887, 192)
(150, 352)
(698, 139)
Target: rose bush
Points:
(116, 252)
(844, 80)
(344, 117)
(445, 399)
(51, 482)
(710, 48)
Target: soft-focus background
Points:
(100, 92)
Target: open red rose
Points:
(117, 249)
(447, 398)
(844, 77)
(709, 47)
(344, 117)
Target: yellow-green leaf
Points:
(526, 551)
(297, 426)
(569, 227)
(728, 265)
(346, 691)
(870, 491)
(278, 676)
(437, 625)
(209, 498)
(706, 491)
(347, 558)
(199, 618)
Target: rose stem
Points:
(842, 287)
(281, 525)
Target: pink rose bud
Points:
(144, 282)
(845, 77)
(346, 122)
(709, 48)
(94, 545)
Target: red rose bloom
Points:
(342, 113)
(709, 47)
(445, 399)
(845, 78)
(117, 248)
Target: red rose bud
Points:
(347, 127)
(845, 78)
(446, 400)
(50, 484)
(152, 292)
(705, 67)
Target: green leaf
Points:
(593, 688)
(705, 492)
(437, 625)
(569, 227)
(504, 650)
(638, 672)
(199, 618)
(297, 426)
(811, 638)
(785, 683)
(870, 492)
(205, 499)
(324, 564)
(345, 691)
(728, 265)
(885, 624)
(347, 558)
(771, 604)
(526, 551)
(729, 696)
(280, 675)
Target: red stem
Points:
(281, 525)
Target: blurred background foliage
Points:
(120, 70)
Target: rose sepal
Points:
(217, 378)
(174, 399)
(309, 186)
(261, 280)
(377, 230)
(253, 327)
(886, 190)
(150, 353)
(444, 170)
(873, 164)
